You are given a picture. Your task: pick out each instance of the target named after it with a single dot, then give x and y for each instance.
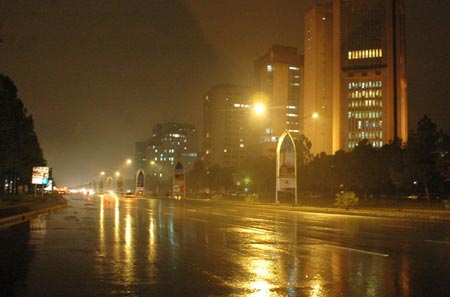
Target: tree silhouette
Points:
(19, 145)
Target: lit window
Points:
(241, 145)
(269, 68)
(294, 68)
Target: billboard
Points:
(286, 175)
(140, 182)
(40, 175)
(178, 180)
(286, 163)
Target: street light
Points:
(293, 126)
(259, 108)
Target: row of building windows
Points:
(238, 105)
(365, 103)
(365, 94)
(292, 123)
(365, 84)
(366, 135)
(365, 54)
(353, 144)
(269, 68)
(364, 114)
(370, 124)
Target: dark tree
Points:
(19, 145)
(423, 156)
(196, 177)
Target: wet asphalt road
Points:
(110, 246)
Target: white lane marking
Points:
(399, 226)
(319, 228)
(437, 241)
(358, 250)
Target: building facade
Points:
(278, 78)
(318, 78)
(169, 144)
(369, 75)
(225, 125)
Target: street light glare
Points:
(315, 115)
(259, 108)
(129, 161)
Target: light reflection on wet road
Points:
(109, 246)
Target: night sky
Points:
(98, 75)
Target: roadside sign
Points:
(40, 175)
(286, 175)
(178, 180)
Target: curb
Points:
(9, 221)
(407, 214)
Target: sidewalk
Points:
(12, 213)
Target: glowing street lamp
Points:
(259, 108)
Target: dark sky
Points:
(98, 75)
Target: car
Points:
(129, 195)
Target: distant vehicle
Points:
(129, 195)
(413, 197)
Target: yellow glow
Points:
(315, 115)
(117, 173)
(102, 173)
(259, 108)
(129, 161)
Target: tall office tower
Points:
(369, 72)
(140, 156)
(170, 143)
(318, 80)
(225, 125)
(278, 75)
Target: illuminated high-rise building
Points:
(370, 85)
(355, 75)
(278, 79)
(225, 125)
(318, 80)
(170, 143)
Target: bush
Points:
(217, 197)
(447, 203)
(252, 198)
(346, 200)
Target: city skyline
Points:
(96, 78)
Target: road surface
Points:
(111, 246)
